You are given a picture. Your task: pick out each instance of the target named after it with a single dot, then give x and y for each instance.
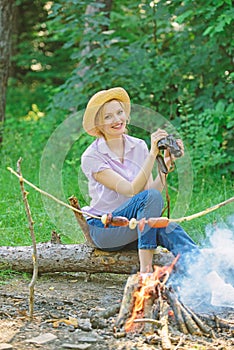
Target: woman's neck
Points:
(116, 145)
(114, 142)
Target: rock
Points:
(42, 339)
(90, 338)
(85, 325)
(76, 346)
(5, 346)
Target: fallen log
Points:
(75, 258)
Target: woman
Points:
(119, 171)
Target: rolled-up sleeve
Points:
(91, 164)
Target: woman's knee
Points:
(155, 196)
(153, 203)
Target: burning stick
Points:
(148, 313)
(140, 295)
(127, 302)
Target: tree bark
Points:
(92, 10)
(6, 16)
(75, 258)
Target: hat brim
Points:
(97, 101)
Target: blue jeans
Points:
(146, 204)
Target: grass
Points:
(13, 223)
(208, 192)
(27, 138)
(7, 275)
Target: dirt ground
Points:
(64, 304)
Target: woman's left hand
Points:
(169, 158)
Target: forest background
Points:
(174, 57)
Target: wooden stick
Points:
(81, 220)
(49, 195)
(189, 320)
(182, 219)
(204, 212)
(128, 300)
(175, 305)
(191, 325)
(221, 323)
(163, 332)
(108, 312)
(180, 342)
(148, 313)
(148, 320)
(34, 255)
(204, 327)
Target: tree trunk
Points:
(6, 15)
(75, 258)
(91, 10)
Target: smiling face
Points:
(111, 119)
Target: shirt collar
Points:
(129, 143)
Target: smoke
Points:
(210, 280)
(221, 248)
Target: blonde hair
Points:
(100, 113)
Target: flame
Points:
(149, 286)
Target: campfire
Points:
(152, 308)
(150, 289)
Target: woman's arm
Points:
(116, 182)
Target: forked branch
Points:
(31, 228)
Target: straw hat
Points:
(97, 101)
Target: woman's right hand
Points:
(155, 137)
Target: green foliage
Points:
(159, 53)
(209, 137)
(39, 53)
